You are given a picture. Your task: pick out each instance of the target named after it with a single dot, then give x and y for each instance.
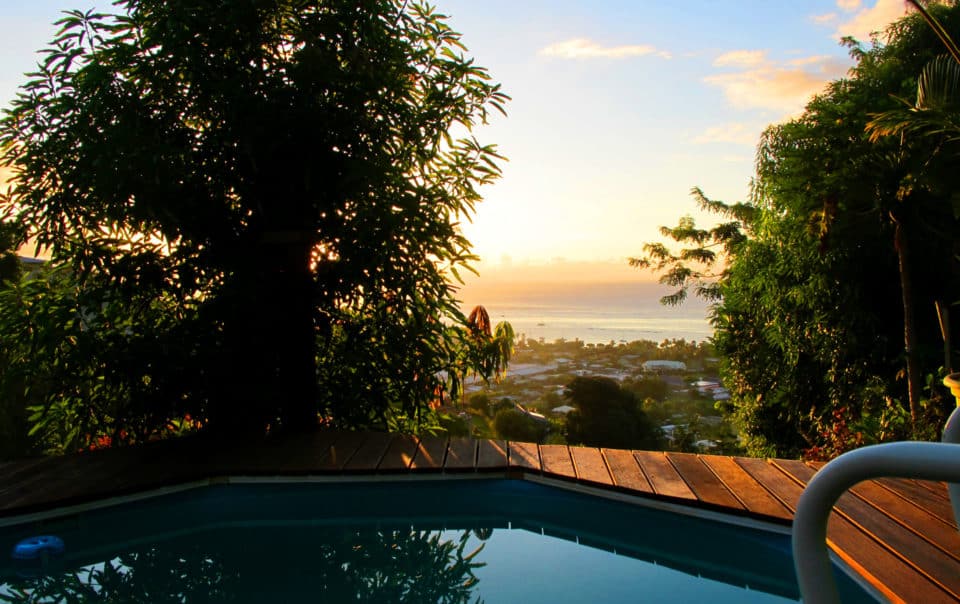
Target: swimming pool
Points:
(453, 541)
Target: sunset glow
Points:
(619, 108)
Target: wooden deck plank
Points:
(771, 478)
(877, 564)
(899, 581)
(76, 478)
(625, 471)
(430, 455)
(911, 517)
(492, 455)
(291, 454)
(938, 489)
(340, 451)
(589, 465)
(756, 498)
(924, 557)
(399, 454)
(13, 472)
(662, 475)
(557, 462)
(913, 492)
(461, 455)
(524, 456)
(896, 532)
(703, 482)
(370, 453)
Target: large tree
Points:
(283, 173)
(837, 261)
(607, 415)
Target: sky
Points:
(619, 108)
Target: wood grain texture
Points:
(367, 457)
(430, 455)
(625, 471)
(341, 450)
(920, 496)
(775, 481)
(911, 517)
(461, 455)
(926, 558)
(524, 456)
(899, 533)
(590, 466)
(399, 454)
(885, 534)
(492, 455)
(662, 475)
(756, 498)
(703, 482)
(556, 461)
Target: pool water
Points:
(467, 541)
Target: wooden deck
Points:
(899, 534)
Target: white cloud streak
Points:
(825, 19)
(763, 83)
(741, 58)
(867, 20)
(584, 48)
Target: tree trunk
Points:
(265, 372)
(909, 330)
(295, 343)
(943, 315)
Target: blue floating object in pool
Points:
(33, 548)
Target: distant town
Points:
(675, 383)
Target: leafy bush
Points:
(513, 424)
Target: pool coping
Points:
(889, 535)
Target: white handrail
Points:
(924, 460)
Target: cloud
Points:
(583, 48)
(817, 61)
(825, 19)
(868, 20)
(735, 132)
(741, 58)
(784, 86)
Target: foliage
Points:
(364, 565)
(846, 244)
(485, 352)
(648, 388)
(280, 177)
(608, 416)
(79, 365)
(10, 269)
(513, 424)
(685, 436)
(479, 402)
(699, 266)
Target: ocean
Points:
(595, 313)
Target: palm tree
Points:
(934, 116)
(486, 352)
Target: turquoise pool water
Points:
(493, 541)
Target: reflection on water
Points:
(362, 565)
(448, 542)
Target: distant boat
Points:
(540, 324)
